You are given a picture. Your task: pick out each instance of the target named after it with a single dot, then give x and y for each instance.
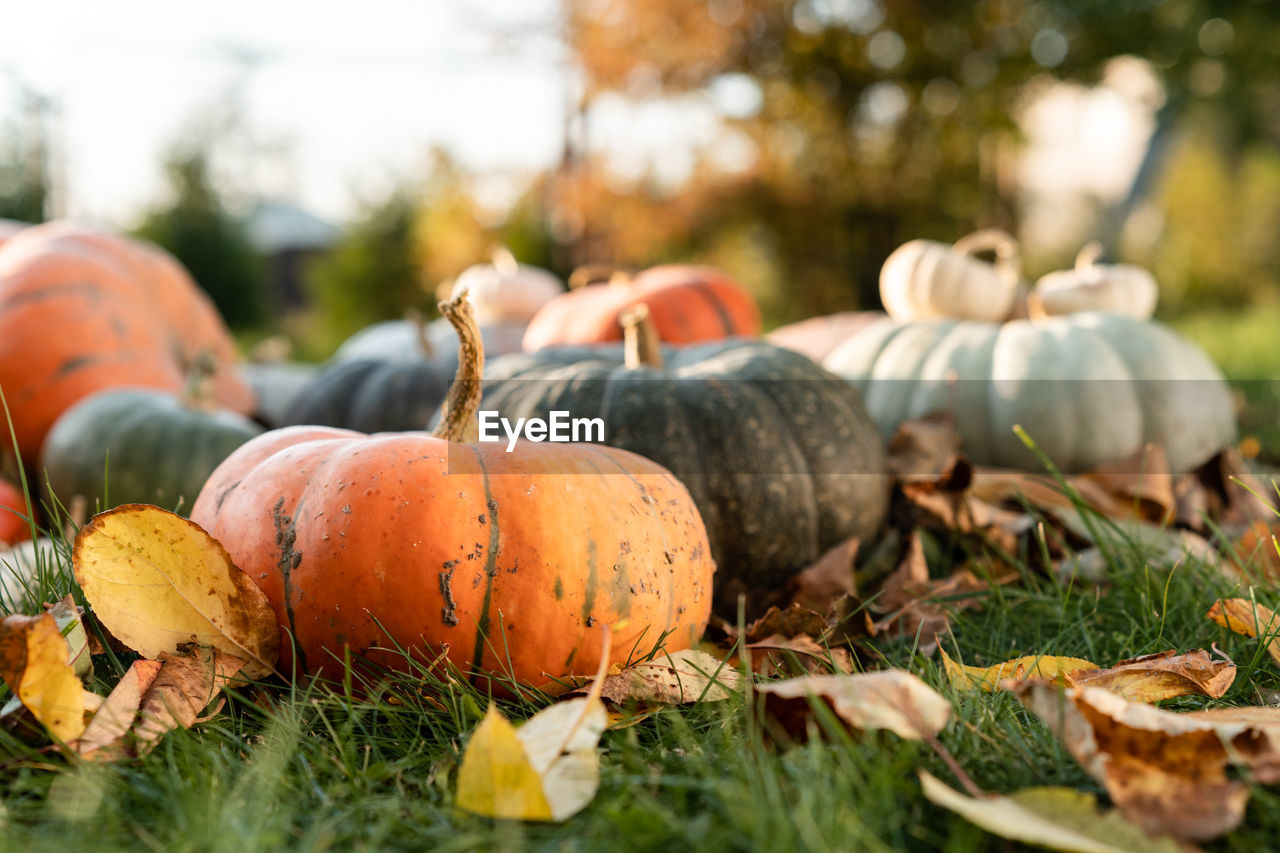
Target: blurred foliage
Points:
(195, 225)
(24, 189)
(404, 250)
(883, 120)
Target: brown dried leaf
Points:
(923, 448)
(1165, 771)
(793, 621)
(1249, 618)
(1153, 678)
(801, 654)
(891, 699)
(680, 678)
(104, 737)
(916, 605)
(1224, 491)
(830, 578)
(184, 686)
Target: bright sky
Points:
(344, 96)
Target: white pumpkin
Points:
(1091, 286)
(21, 569)
(413, 340)
(923, 279)
(504, 291)
(1088, 388)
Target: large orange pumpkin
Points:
(82, 310)
(686, 303)
(510, 561)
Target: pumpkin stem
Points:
(1005, 246)
(589, 274)
(643, 347)
(198, 392)
(414, 316)
(458, 414)
(1088, 255)
(504, 262)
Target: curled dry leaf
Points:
(183, 687)
(922, 448)
(546, 770)
(780, 655)
(104, 737)
(1167, 772)
(989, 678)
(830, 578)
(67, 616)
(1165, 675)
(891, 699)
(1249, 618)
(158, 581)
(679, 678)
(34, 664)
(1055, 818)
(916, 606)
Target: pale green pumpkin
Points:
(1089, 388)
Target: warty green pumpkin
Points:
(1088, 388)
(779, 455)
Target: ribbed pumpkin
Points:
(1089, 388)
(817, 336)
(276, 386)
(81, 311)
(687, 303)
(511, 561)
(412, 339)
(10, 228)
(136, 445)
(371, 395)
(504, 291)
(14, 527)
(923, 279)
(1091, 286)
(778, 454)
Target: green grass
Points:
(310, 768)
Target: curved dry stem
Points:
(642, 345)
(458, 414)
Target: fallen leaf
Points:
(546, 770)
(890, 699)
(33, 663)
(922, 447)
(183, 687)
(1222, 493)
(828, 579)
(779, 655)
(1249, 618)
(1165, 675)
(1257, 551)
(158, 581)
(791, 622)
(67, 615)
(1165, 771)
(1054, 818)
(104, 737)
(988, 678)
(917, 606)
(679, 678)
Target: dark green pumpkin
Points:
(374, 395)
(138, 446)
(780, 457)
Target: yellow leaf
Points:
(1056, 818)
(1165, 675)
(496, 778)
(157, 581)
(988, 678)
(33, 662)
(1249, 618)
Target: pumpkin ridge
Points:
(646, 499)
(490, 569)
(704, 290)
(289, 560)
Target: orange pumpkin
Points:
(687, 304)
(9, 228)
(13, 506)
(82, 310)
(509, 561)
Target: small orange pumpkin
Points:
(81, 311)
(507, 561)
(14, 528)
(686, 303)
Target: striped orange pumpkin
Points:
(686, 303)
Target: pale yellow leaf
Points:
(158, 581)
(1055, 818)
(33, 662)
(496, 778)
(678, 678)
(988, 678)
(891, 699)
(67, 616)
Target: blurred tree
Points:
(195, 225)
(372, 274)
(858, 124)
